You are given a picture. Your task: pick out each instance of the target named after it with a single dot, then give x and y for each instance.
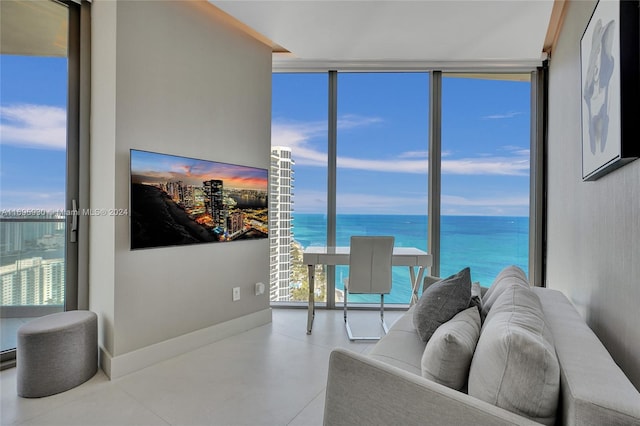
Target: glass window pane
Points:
(33, 143)
(298, 198)
(382, 166)
(485, 174)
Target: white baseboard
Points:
(121, 365)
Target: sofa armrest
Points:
(362, 390)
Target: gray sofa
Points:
(386, 387)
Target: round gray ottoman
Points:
(56, 353)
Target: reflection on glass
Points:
(485, 174)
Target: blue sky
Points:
(33, 132)
(382, 140)
(383, 143)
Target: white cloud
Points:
(414, 154)
(18, 200)
(348, 203)
(503, 206)
(350, 121)
(502, 116)
(392, 165)
(517, 150)
(512, 201)
(297, 136)
(504, 166)
(357, 203)
(34, 126)
(380, 204)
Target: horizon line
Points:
(407, 214)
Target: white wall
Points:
(593, 227)
(171, 77)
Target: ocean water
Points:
(486, 244)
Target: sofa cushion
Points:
(441, 301)
(401, 346)
(448, 353)
(515, 365)
(476, 296)
(509, 276)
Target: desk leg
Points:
(312, 308)
(415, 283)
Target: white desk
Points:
(402, 256)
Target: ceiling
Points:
(399, 33)
(352, 34)
(33, 28)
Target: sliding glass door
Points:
(34, 148)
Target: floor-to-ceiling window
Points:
(381, 182)
(382, 142)
(35, 163)
(485, 174)
(298, 182)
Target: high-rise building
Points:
(280, 214)
(214, 201)
(18, 235)
(33, 281)
(235, 222)
(188, 199)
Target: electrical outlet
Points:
(236, 294)
(259, 289)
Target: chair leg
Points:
(348, 327)
(346, 322)
(345, 304)
(384, 324)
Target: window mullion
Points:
(331, 181)
(435, 146)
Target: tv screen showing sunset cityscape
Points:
(178, 200)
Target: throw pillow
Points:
(515, 365)
(440, 302)
(476, 296)
(447, 356)
(509, 276)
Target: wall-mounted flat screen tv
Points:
(178, 200)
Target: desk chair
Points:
(369, 273)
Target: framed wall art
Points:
(178, 200)
(610, 86)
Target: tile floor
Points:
(271, 375)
